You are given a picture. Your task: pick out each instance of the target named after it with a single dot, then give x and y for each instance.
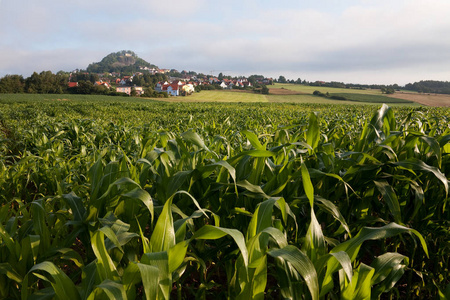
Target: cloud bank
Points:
(363, 41)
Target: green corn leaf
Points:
(307, 184)
(256, 154)
(160, 260)
(360, 287)
(177, 180)
(314, 244)
(72, 255)
(150, 280)
(6, 238)
(194, 138)
(333, 262)
(333, 210)
(40, 226)
(352, 246)
(231, 171)
(389, 268)
(313, 131)
(95, 176)
(384, 264)
(344, 260)
(88, 279)
(163, 236)
(62, 285)
(131, 277)
(176, 255)
(278, 237)
(209, 232)
(142, 196)
(390, 198)
(302, 265)
(193, 200)
(76, 205)
(385, 112)
(180, 225)
(112, 289)
(370, 130)
(257, 170)
(251, 189)
(145, 242)
(10, 272)
(262, 218)
(119, 187)
(105, 265)
(111, 236)
(253, 140)
(418, 165)
(443, 295)
(371, 233)
(259, 281)
(434, 147)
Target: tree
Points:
(387, 90)
(84, 87)
(12, 84)
(282, 79)
(44, 83)
(138, 80)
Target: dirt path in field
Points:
(425, 99)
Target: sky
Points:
(351, 41)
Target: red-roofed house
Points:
(102, 83)
(172, 89)
(72, 84)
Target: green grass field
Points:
(310, 89)
(24, 98)
(221, 96)
(353, 96)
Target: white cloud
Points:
(325, 37)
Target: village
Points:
(174, 83)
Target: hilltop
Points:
(120, 62)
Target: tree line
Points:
(48, 83)
(429, 86)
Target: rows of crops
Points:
(128, 199)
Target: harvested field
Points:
(425, 99)
(282, 91)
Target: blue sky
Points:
(359, 41)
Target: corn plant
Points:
(243, 202)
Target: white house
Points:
(188, 88)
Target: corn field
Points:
(144, 200)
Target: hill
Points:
(120, 62)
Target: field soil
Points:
(425, 99)
(282, 91)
